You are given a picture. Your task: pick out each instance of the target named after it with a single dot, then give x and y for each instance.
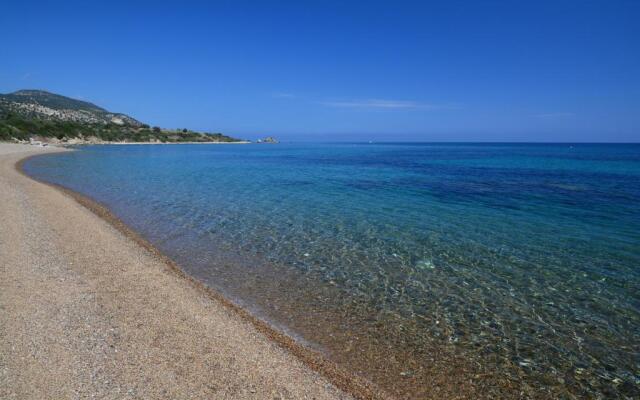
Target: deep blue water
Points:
(519, 263)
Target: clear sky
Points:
(306, 70)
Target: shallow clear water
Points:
(477, 269)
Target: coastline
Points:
(101, 143)
(158, 143)
(331, 378)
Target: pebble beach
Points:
(86, 312)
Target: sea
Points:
(433, 269)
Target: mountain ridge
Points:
(42, 104)
(46, 96)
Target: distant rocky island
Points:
(268, 139)
(37, 115)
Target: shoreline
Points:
(72, 145)
(349, 383)
(154, 143)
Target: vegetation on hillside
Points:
(51, 100)
(14, 126)
(41, 115)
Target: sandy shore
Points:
(162, 143)
(86, 312)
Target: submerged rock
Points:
(425, 264)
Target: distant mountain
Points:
(49, 117)
(50, 106)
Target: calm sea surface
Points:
(496, 270)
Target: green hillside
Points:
(50, 117)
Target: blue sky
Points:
(304, 70)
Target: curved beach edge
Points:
(354, 385)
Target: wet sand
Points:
(87, 312)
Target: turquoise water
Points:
(482, 270)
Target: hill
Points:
(49, 106)
(37, 114)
